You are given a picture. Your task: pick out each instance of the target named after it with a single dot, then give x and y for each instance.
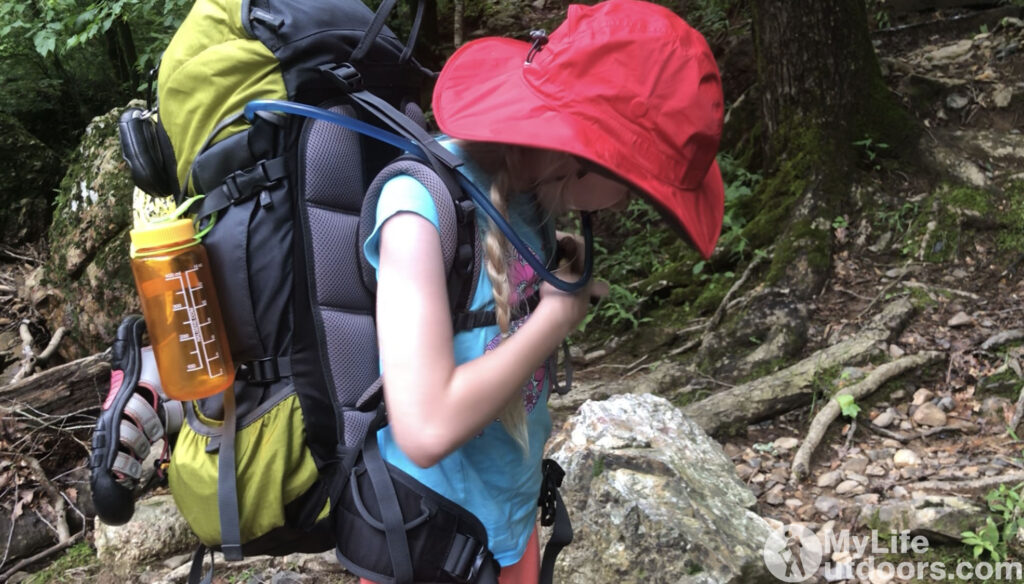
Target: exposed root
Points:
(831, 410)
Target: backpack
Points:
(287, 459)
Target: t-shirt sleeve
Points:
(401, 194)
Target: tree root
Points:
(794, 386)
(831, 410)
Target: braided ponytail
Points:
(507, 167)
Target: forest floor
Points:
(963, 80)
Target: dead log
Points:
(63, 389)
(795, 386)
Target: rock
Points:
(774, 496)
(930, 415)
(946, 404)
(650, 493)
(960, 319)
(875, 470)
(827, 506)
(884, 419)
(1002, 96)
(829, 479)
(922, 395)
(950, 53)
(899, 492)
(786, 443)
(88, 286)
(905, 457)
(956, 101)
(849, 487)
(857, 478)
(933, 516)
(855, 464)
(155, 532)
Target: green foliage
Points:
(713, 17)
(847, 405)
(878, 14)
(993, 537)
(870, 150)
(77, 556)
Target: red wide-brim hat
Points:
(626, 84)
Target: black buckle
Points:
(346, 76)
(263, 370)
(239, 185)
(465, 566)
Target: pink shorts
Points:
(525, 571)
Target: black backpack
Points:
(285, 210)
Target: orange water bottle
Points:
(179, 303)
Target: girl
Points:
(624, 97)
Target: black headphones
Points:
(147, 150)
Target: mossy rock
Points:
(86, 284)
(28, 182)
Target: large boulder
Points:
(86, 284)
(29, 174)
(156, 532)
(653, 499)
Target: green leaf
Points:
(847, 405)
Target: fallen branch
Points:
(1002, 338)
(831, 410)
(43, 555)
(953, 291)
(972, 485)
(63, 389)
(794, 386)
(61, 527)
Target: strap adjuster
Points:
(345, 75)
(466, 559)
(268, 370)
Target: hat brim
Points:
(485, 76)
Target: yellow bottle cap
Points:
(162, 234)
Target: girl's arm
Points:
(434, 406)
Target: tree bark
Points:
(458, 9)
(63, 389)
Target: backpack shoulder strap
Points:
(460, 244)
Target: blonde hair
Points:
(514, 169)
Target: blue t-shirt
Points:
(489, 475)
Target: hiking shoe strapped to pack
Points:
(135, 415)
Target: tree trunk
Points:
(821, 91)
(458, 9)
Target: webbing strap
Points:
(227, 488)
(390, 511)
(195, 573)
(553, 512)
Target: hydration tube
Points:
(484, 202)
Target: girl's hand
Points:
(571, 308)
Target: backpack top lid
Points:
(229, 52)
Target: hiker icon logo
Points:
(792, 553)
